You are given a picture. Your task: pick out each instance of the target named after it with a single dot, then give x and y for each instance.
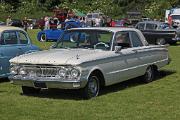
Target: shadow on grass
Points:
(58, 94)
(2, 80)
(134, 82)
(76, 94)
(176, 44)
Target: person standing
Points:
(47, 23)
(25, 23)
(8, 21)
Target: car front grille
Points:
(40, 70)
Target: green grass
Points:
(131, 100)
(33, 36)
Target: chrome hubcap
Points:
(149, 73)
(160, 41)
(93, 86)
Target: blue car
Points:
(54, 34)
(13, 42)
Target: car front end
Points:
(47, 76)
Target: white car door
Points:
(124, 61)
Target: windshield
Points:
(93, 15)
(93, 39)
(175, 17)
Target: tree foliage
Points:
(114, 8)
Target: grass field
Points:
(130, 100)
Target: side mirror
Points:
(117, 49)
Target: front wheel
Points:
(149, 75)
(160, 41)
(43, 37)
(92, 88)
(30, 90)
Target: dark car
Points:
(157, 32)
(16, 23)
(2, 23)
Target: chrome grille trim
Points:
(42, 70)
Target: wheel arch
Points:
(155, 68)
(39, 35)
(99, 74)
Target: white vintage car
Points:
(87, 59)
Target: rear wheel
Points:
(43, 37)
(160, 41)
(30, 90)
(92, 88)
(149, 75)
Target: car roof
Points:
(152, 22)
(112, 29)
(3, 28)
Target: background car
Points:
(157, 32)
(54, 34)
(13, 42)
(2, 23)
(16, 23)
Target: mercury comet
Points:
(88, 59)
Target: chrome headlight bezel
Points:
(14, 69)
(22, 71)
(69, 72)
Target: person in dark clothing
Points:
(25, 23)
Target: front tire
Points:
(92, 88)
(161, 41)
(149, 75)
(30, 90)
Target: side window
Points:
(22, 38)
(122, 39)
(140, 26)
(9, 37)
(150, 26)
(136, 41)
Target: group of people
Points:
(24, 22)
(53, 23)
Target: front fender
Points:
(93, 69)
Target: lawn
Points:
(130, 100)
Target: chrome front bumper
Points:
(48, 83)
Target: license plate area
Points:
(39, 84)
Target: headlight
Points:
(14, 69)
(62, 73)
(75, 73)
(68, 72)
(32, 73)
(22, 71)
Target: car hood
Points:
(61, 56)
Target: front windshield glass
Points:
(95, 16)
(92, 39)
(89, 16)
(175, 17)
